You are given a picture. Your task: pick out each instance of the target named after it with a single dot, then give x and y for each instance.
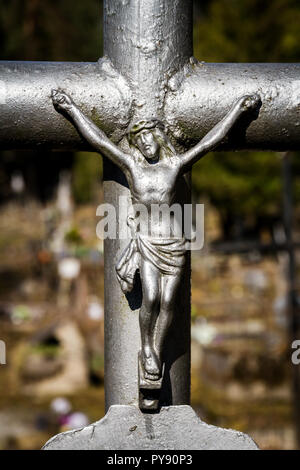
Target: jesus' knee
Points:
(167, 310)
(167, 302)
(150, 302)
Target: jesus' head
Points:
(149, 137)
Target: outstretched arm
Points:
(215, 137)
(96, 138)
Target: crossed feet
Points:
(151, 363)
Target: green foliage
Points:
(46, 350)
(51, 30)
(73, 236)
(87, 172)
(245, 184)
(97, 363)
(248, 31)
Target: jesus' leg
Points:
(148, 316)
(169, 287)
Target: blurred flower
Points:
(69, 268)
(95, 310)
(256, 280)
(61, 406)
(203, 333)
(280, 308)
(75, 420)
(17, 183)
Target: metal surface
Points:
(27, 117)
(190, 102)
(174, 428)
(147, 41)
(201, 93)
(157, 249)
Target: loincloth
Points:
(166, 254)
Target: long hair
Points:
(166, 149)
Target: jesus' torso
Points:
(154, 185)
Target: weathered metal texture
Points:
(190, 102)
(174, 428)
(27, 116)
(147, 41)
(154, 171)
(201, 94)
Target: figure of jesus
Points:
(152, 175)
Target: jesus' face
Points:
(146, 143)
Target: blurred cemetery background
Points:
(51, 261)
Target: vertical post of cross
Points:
(147, 41)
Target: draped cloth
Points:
(166, 254)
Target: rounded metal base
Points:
(127, 428)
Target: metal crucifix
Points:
(144, 106)
(159, 258)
